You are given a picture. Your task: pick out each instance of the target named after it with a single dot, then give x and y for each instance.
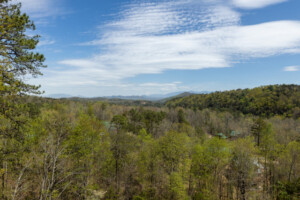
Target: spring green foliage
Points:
(262, 101)
(173, 150)
(242, 165)
(141, 118)
(68, 153)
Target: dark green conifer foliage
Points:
(17, 60)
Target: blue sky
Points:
(136, 47)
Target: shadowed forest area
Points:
(240, 144)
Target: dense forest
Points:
(262, 101)
(67, 149)
(86, 150)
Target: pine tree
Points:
(17, 60)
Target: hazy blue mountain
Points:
(59, 96)
(153, 97)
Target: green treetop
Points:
(17, 58)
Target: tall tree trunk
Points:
(243, 191)
(117, 175)
(291, 168)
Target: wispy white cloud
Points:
(292, 68)
(45, 42)
(262, 40)
(149, 38)
(251, 4)
(41, 8)
(40, 11)
(152, 37)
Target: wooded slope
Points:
(263, 101)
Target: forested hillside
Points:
(261, 101)
(96, 150)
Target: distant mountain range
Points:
(59, 96)
(153, 97)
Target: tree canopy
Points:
(18, 60)
(261, 101)
(17, 57)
